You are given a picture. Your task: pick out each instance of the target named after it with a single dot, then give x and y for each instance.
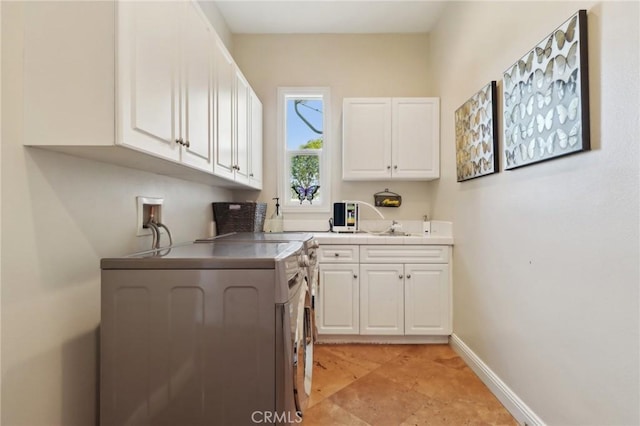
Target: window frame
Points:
(284, 171)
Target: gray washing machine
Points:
(202, 334)
(304, 366)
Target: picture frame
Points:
(476, 128)
(546, 98)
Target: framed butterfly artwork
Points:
(477, 134)
(546, 98)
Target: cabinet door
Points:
(381, 299)
(366, 138)
(427, 299)
(197, 90)
(255, 153)
(223, 140)
(416, 138)
(148, 67)
(241, 157)
(338, 304)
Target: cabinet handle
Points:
(400, 276)
(179, 141)
(408, 276)
(250, 174)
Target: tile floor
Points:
(404, 385)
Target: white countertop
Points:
(441, 234)
(364, 238)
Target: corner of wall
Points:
(218, 22)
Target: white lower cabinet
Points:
(338, 300)
(427, 299)
(383, 296)
(381, 299)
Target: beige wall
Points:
(546, 256)
(60, 215)
(351, 66)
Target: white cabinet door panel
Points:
(148, 79)
(197, 111)
(415, 148)
(255, 155)
(366, 140)
(427, 299)
(241, 158)
(338, 300)
(381, 299)
(224, 142)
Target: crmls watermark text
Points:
(275, 417)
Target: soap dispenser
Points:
(277, 219)
(426, 226)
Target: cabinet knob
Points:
(336, 254)
(355, 276)
(238, 168)
(408, 276)
(187, 144)
(179, 141)
(388, 167)
(400, 276)
(395, 167)
(250, 174)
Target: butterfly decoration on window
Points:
(307, 193)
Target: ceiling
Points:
(329, 16)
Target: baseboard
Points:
(384, 340)
(505, 395)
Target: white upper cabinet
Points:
(366, 139)
(242, 110)
(255, 136)
(165, 81)
(149, 83)
(391, 138)
(225, 87)
(197, 90)
(415, 147)
(235, 135)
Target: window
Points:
(303, 145)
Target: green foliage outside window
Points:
(305, 173)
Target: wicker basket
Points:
(239, 217)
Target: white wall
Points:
(351, 66)
(546, 256)
(217, 20)
(60, 216)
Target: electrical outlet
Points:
(145, 205)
